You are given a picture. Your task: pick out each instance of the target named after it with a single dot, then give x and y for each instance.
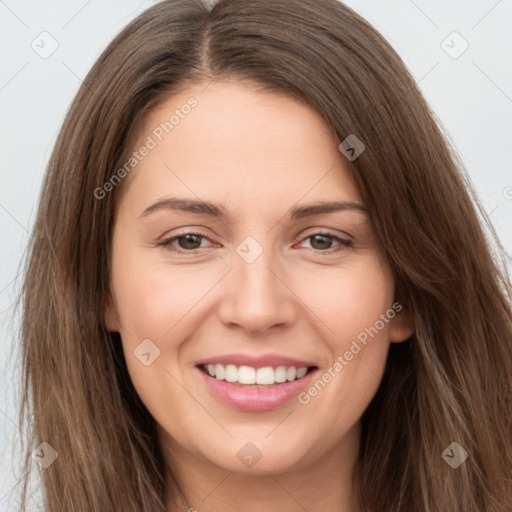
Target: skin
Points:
(258, 154)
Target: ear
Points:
(111, 315)
(402, 324)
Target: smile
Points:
(248, 375)
(251, 389)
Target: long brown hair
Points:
(450, 382)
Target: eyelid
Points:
(304, 234)
(324, 231)
(343, 243)
(167, 240)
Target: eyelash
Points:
(344, 244)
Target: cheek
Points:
(152, 300)
(350, 305)
(351, 299)
(159, 302)
(153, 297)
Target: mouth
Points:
(251, 377)
(252, 389)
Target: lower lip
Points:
(256, 399)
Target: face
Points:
(246, 289)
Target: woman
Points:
(258, 368)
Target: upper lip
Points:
(262, 361)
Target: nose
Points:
(257, 297)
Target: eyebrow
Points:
(218, 211)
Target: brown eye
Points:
(190, 241)
(187, 242)
(322, 243)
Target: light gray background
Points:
(471, 94)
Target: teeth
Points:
(291, 373)
(280, 374)
(265, 375)
(301, 372)
(220, 372)
(248, 375)
(231, 373)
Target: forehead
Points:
(229, 141)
